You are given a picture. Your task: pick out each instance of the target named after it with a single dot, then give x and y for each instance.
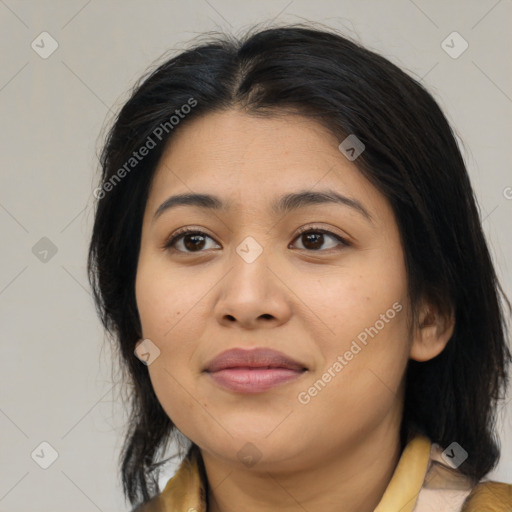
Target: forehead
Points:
(253, 160)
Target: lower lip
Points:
(255, 380)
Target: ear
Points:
(431, 335)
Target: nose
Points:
(253, 295)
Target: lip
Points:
(253, 371)
(253, 380)
(253, 358)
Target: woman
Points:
(288, 253)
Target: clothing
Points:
(422, 482)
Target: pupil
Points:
(198, 244)
(318, 237)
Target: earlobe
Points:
(432, 334)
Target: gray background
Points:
(56, 380)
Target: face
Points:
(333, 298)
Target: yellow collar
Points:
(407, 480)
(186, 489)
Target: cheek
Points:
(342, 305)
(170, 307)
(359, 384)
(361, 317)
(173, 374)
(164, 300)
(178, 398)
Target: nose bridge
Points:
(250, 268)
(251, 291)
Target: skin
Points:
(341, 448)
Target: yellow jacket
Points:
(422, 482)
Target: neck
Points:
(352, 478)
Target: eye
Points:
(315, 237)
(189, 240)
(192, 240)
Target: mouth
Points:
(265, 358)
(253, 371)
(253, 380)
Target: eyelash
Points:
(307, 229)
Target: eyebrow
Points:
(283, 205)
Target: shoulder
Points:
(446, 489)
(185, 491)
(153, 505)
(489, 497)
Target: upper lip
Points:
(253, 358)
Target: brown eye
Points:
(188, 241)
(314, 239)
(193, 242)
